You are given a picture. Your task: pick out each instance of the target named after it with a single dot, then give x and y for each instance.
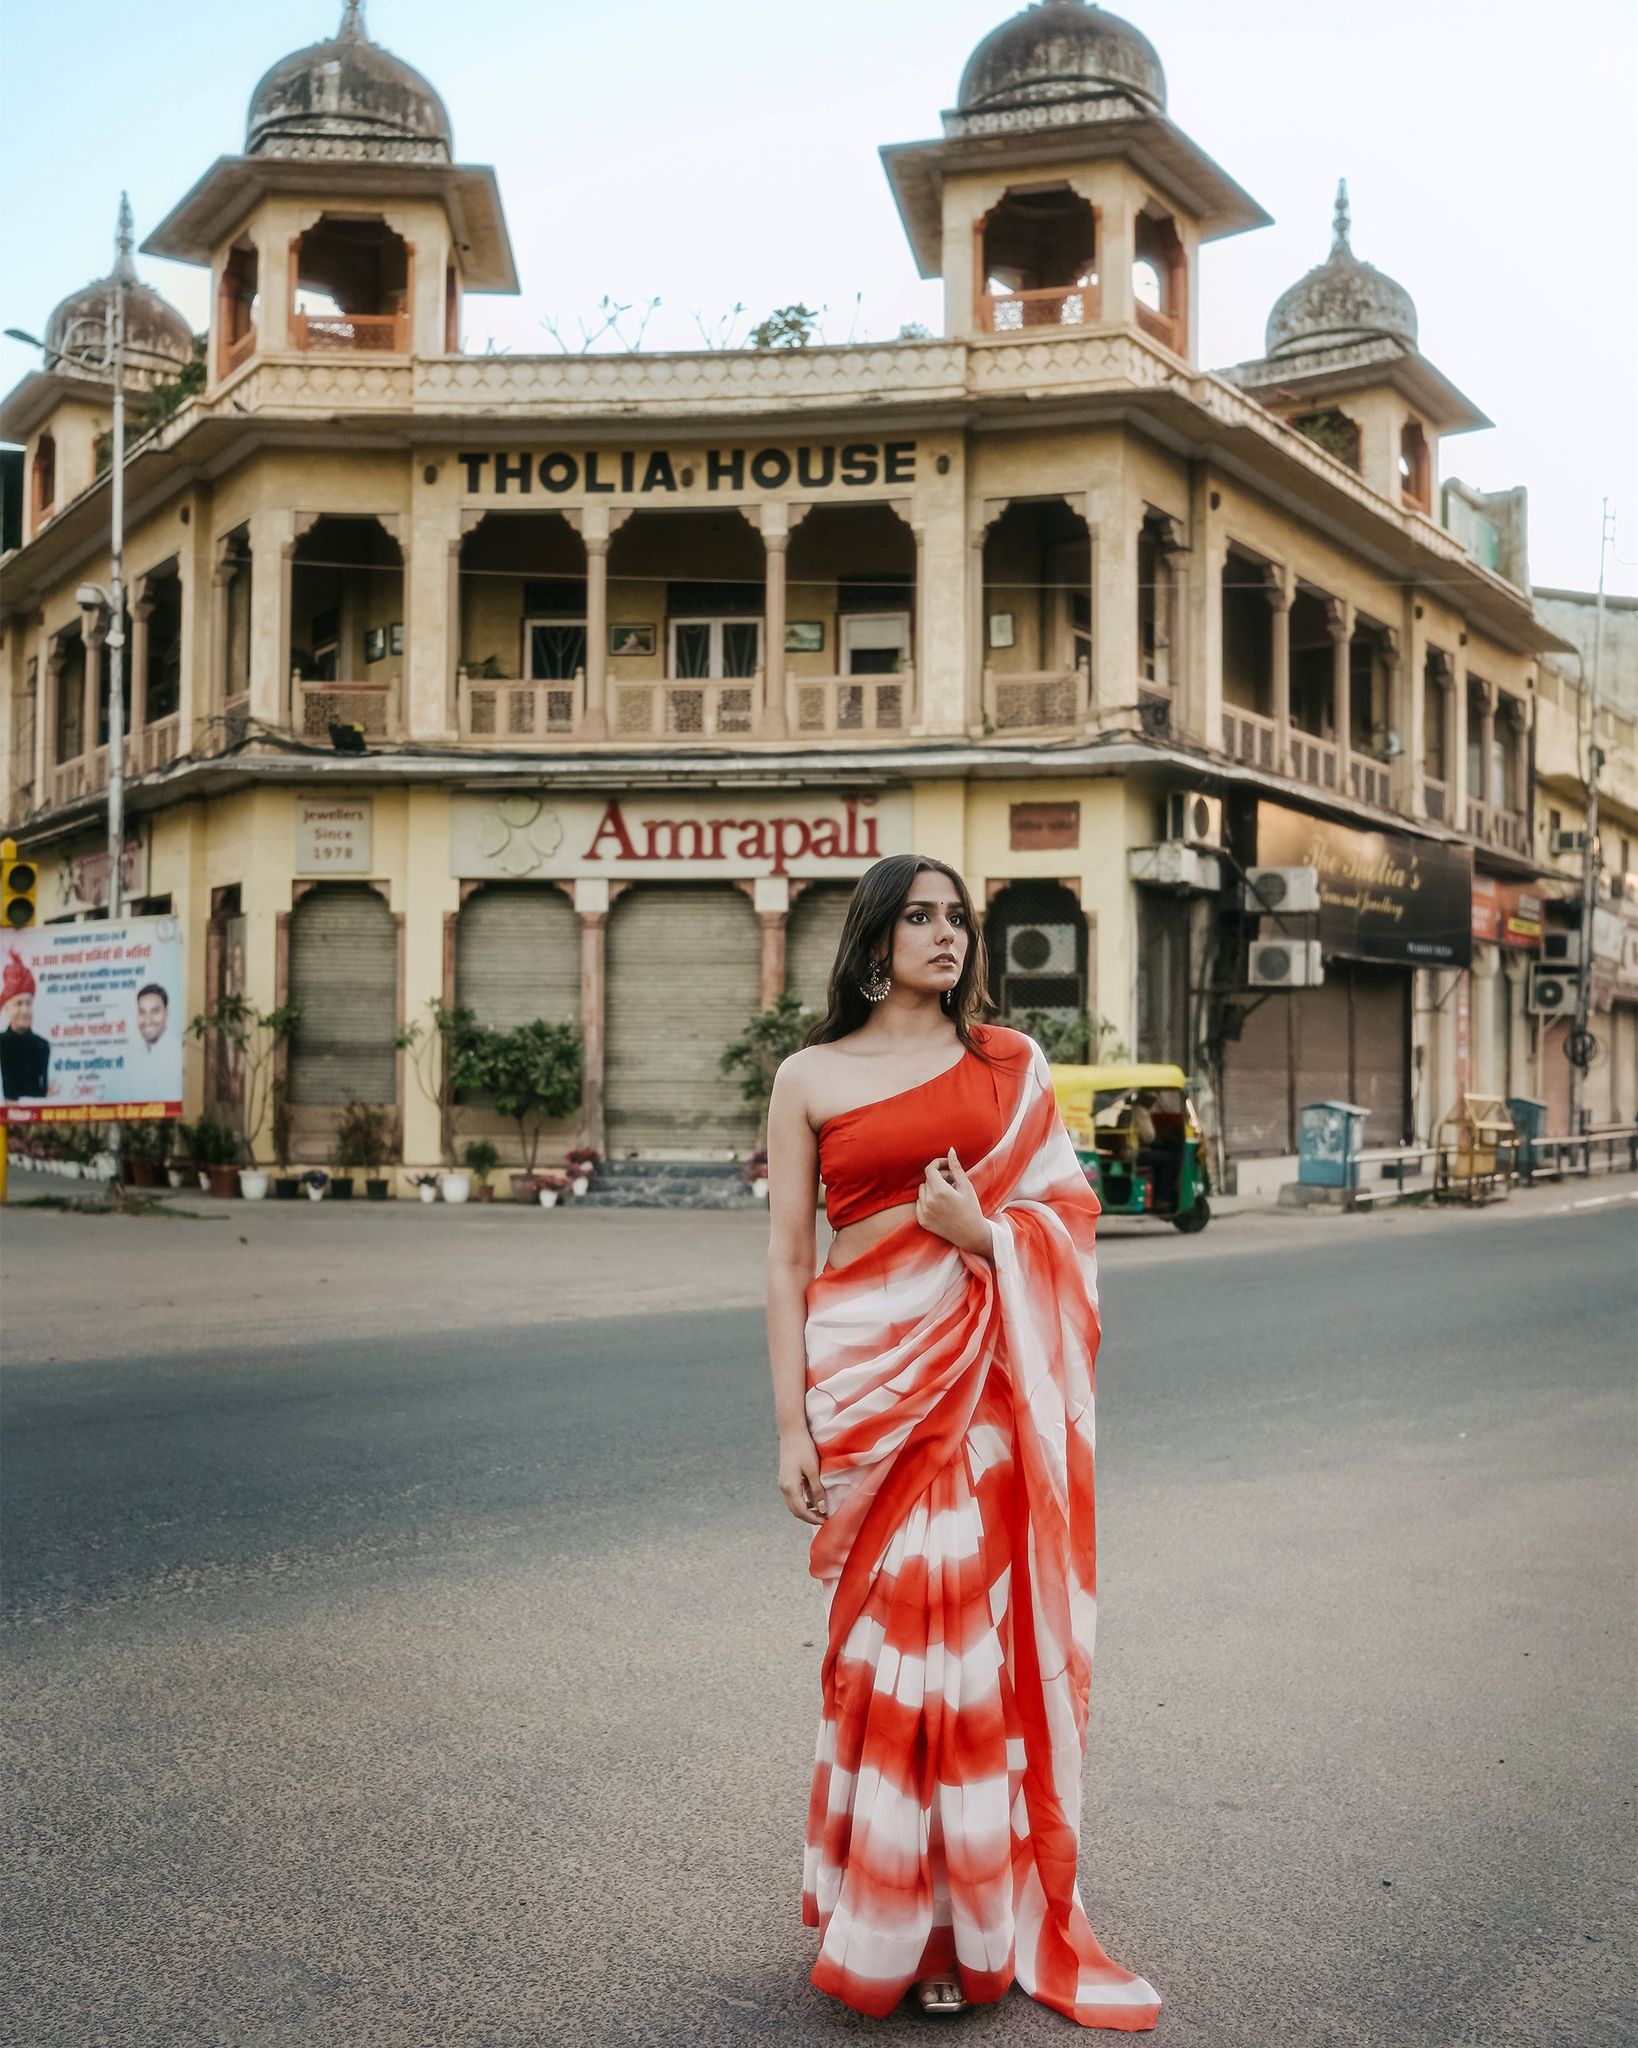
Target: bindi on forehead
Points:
(932, 903)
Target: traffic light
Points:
(19, 888)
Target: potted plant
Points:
(482, 1158)
(425, 1185)
(551, 1187)
(427, 1048)
(769, 1038)
(180, 1170)
(287, 1185)
(455, 1185)
(142, 1152)
(754, 1173)
(314, 1184)
(582, 1162)
(215, 1149)
(241, 1037)
(364, 1138)
(530, 1073)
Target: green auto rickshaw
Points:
(1135, 1132)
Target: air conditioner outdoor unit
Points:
(1041, 949)
(1193, 819)
(1552, 991)
(1569, 842)
(1293, 892)
(1286, 963)
(1561, 949)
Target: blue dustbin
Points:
(1530, 1121)
(1330, 1138)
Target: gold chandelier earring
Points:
(876, 985)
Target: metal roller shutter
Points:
(344, 978)
(1320, 1029)
(1624, 1054)
(811, 940)
(684, 978)
(517, 956)
(1378, 1048)
(1257, 1082)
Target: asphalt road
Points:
(457, 1690)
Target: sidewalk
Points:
(195, 1275)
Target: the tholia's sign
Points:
(659, 472)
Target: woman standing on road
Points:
(933, 1386)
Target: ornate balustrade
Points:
(1249, 737)
(852, 704)
(1316, 761)
(1035, 700)
(373, 707)
(1436, 800)
(1077, 305)
(684, 709)
(384, 333)
(517, 709)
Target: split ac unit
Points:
(1551, 991)
(1041, 949)
(1286, 963)
(1561, 949)
(1193, 819)
(1293, 892)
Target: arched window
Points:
(1415, 468)
(1037, 259)
(1036, 938)
(1160, 278)
(351, 278)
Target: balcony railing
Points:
(236, 352)
(1315, 761)
(1499, 827)
(1077, 305)
(849, 704)
(373, 707)
(157, 745)
(679, 709)
(1435, 800)
(1035, 700)
(1370, 780)
(87, 774)
(386, 333)
(1249, 737)
(510, 709)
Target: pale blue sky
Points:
(726, 149)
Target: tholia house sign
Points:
(673, 837)
(659, 472)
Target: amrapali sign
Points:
(1383, 895)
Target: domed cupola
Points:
(1058, 53)
(348, 98)
(1340, 301)
(154, 329)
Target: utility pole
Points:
(1581, 1044)
(124, 277)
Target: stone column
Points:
(272, 549)
(1281, 590)
(1339, 623)
(1405, 716)
(1487, 749)
(771, 895)
(772, 723)
(943, 523)
(1455, 672)
(49, 743)
(136, 655)
(1198, 704)
(432, 598)
(591, 902)
(977, 651)
(94, 633)
(594, 723)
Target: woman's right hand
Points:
(799, 1479)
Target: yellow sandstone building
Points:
(584, 686)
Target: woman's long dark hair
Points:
(867, 932)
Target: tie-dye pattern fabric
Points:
(951, 1400)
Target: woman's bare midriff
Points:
(853, 1240)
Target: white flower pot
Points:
(253, 1185)
(548, 1198)
(176, 1177)
(204, 1180)
(455, 1187)
(759, 1188)
(428, 1193)
(581, 1183)
(313, 1194)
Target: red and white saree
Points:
(951, 1401)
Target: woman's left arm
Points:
(947, 1206)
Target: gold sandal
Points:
(941, 1994)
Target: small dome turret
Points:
(155, 331)
(1056, 52)
(1340, 300)
(347, 97)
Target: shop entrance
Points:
(1347, 1040)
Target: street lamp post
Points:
(1581, 1044)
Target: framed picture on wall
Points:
(632, 639)
(805, 636)
(395, 637)
(1000, 629)
(375, 643)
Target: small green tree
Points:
(233, 1025)
(531, 1073)
(427, 1044)
(1073, 1042)
(769, 1038)
(786, 327)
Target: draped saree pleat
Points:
(951, 1400)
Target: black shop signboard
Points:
(1383, 895)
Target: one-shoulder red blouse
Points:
(875, 1156)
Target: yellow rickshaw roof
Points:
(1097, 1080)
